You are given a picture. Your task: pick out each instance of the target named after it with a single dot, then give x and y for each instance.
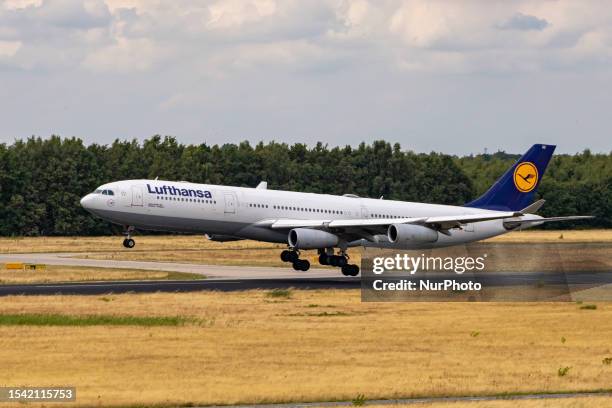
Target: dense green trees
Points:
(41, 181)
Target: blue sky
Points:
(448, 76)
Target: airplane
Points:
(321, 221)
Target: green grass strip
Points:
(90, 320)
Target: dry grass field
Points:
(251, 347)
(53, 273)
(587, 402)
(541, 236)
(197, 249)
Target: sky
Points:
(450, 76)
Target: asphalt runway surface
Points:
(210, 271)
(605, 399)
(223, 285)
(229, 285)
(236, 278)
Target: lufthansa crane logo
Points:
(525, 177)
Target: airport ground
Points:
(198, 250)
(256, 346)
(278, 346)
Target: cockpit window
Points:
(108, 192)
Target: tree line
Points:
(42, 180)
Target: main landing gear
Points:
(293, 256)
(128, 242)
(327, 257)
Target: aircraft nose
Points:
(86, 201)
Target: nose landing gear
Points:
(293, 256)
(128, 242)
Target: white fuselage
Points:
(242, 212)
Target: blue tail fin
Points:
(516, 188)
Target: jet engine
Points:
(411, 232)
(306, 238)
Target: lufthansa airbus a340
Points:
(328, 223)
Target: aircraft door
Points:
(365, 213)
(230, 203)
(137, 196)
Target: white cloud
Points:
(21, 4)
(9, 48)
(418, 35)
(298, 55)
(234, 13)
(124, 56)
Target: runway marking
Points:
(424, 400)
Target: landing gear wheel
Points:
(284, 256)
(301, 265)
(128, 242)
(337, 260)
(350, 270)
(324, 259)
(289, 256)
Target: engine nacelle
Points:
(411, 232)
(306, 238)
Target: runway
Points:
(210, 271)
(302, 282)
(224, 285)
(604, 395)
(235, 278)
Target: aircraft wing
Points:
(438, 222)
(369, 228)
(323, 223)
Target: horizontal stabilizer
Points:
(510, 224)
(569, 218)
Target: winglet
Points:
(533, 208)
(262, 185)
